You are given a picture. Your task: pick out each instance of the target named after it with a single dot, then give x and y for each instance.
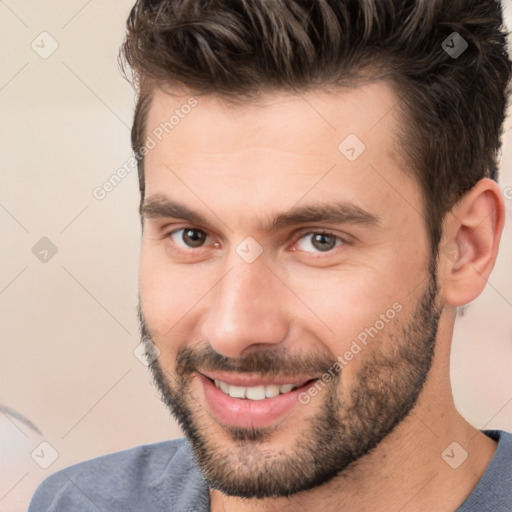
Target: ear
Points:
(471, 237)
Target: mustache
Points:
(269, 363)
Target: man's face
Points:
(306, 266)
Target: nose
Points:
(246, 310)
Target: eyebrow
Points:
(158, 206)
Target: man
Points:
(318, 198)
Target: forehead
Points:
(310, 120)
(280, 149)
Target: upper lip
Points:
(249, 381)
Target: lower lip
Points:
(245, 413)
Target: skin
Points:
(238, 165)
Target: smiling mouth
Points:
(256, 392)
(250, 400)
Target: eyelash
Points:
(297, 238)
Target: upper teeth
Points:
(253, 393)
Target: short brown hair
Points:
(240, 49)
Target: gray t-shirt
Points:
(163, 477)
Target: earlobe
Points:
(472, 234)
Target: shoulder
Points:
(141, 478)
(494, 490)
(500, 467)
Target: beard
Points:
(352, 419)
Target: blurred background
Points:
(73, 384)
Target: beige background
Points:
(69, 325)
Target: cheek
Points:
(174, 299)
(168, 295)
(349, 301)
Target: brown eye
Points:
(188, 237)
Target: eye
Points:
(188, 237)
(321, 241)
